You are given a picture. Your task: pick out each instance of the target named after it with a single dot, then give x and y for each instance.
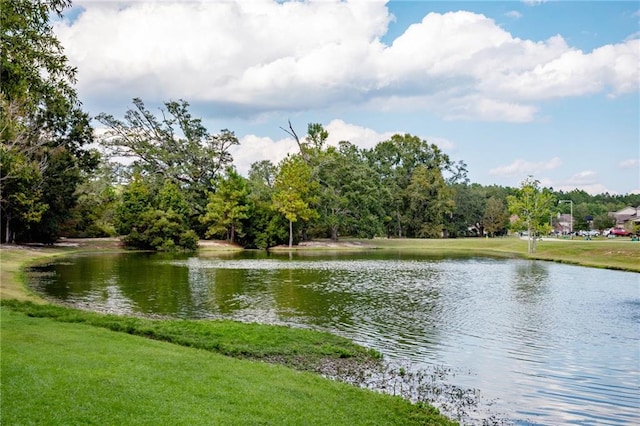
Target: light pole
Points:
(571, 221)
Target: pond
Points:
(543, 343)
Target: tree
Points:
(42, 128)
(176, 147)
(495, 217)
(150, 221)
(603, 221)
(266, 227)
(395, 161)
(228, 207)
(94, 213)
(294, 190)
(533, 207)
(429, 200)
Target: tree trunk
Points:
(8, 229)
(232, 234)
(290, 234)
(334, 233)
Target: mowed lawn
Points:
(59, 373)
(617, 253)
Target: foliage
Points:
(175, 147)
(293, 192)
(94, 212)
(603, 221)
(149, 222)
(42, 128)
(267, 226)
(395, 161)
(429, 200)
(496, 217)
(228, 207)
(532, 206)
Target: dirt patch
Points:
(217, 245)
(325, 244)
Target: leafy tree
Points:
(136, 200)
(395, 161)
(94, 213)
(495, 217)
(21, 195)
(294, 190)
(42, 128)
(228, 207)
(267, 226)
(429, 200)
(533, 207)
(469, 206)
(603, 221)
(148, 221)
(176, 147)
(359, 187)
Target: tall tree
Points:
(154, 219)
(495, 217)
(294, 191)
(228, 207)
(267, 226)
(532, 206)
(175, 146)
(42, 128)
(429, 200)
(395, 161)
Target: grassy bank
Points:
(621, 253)
(70, 373)
(66, 366)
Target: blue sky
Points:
(549, 89)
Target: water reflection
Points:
(545, 343)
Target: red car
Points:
(620, 232)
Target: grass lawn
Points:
(618, 253)
(69, 373)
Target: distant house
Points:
(562, 225)
(626, 217)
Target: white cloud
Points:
(253, 148)
(523, 168)
(583, 178)
(629, 164)
(513, 14)
(586, 180)
(248, 57)
(360, 136)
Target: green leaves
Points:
(228, 207)
(532, 206)
(176, 147)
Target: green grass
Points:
(70, 373)
(620, 253)
(304, 349)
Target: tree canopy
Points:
(43, 130)
(532, 206)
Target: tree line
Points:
(162, 180)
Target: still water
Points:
(543, 343)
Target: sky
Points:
(549, 89)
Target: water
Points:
(544, 343)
